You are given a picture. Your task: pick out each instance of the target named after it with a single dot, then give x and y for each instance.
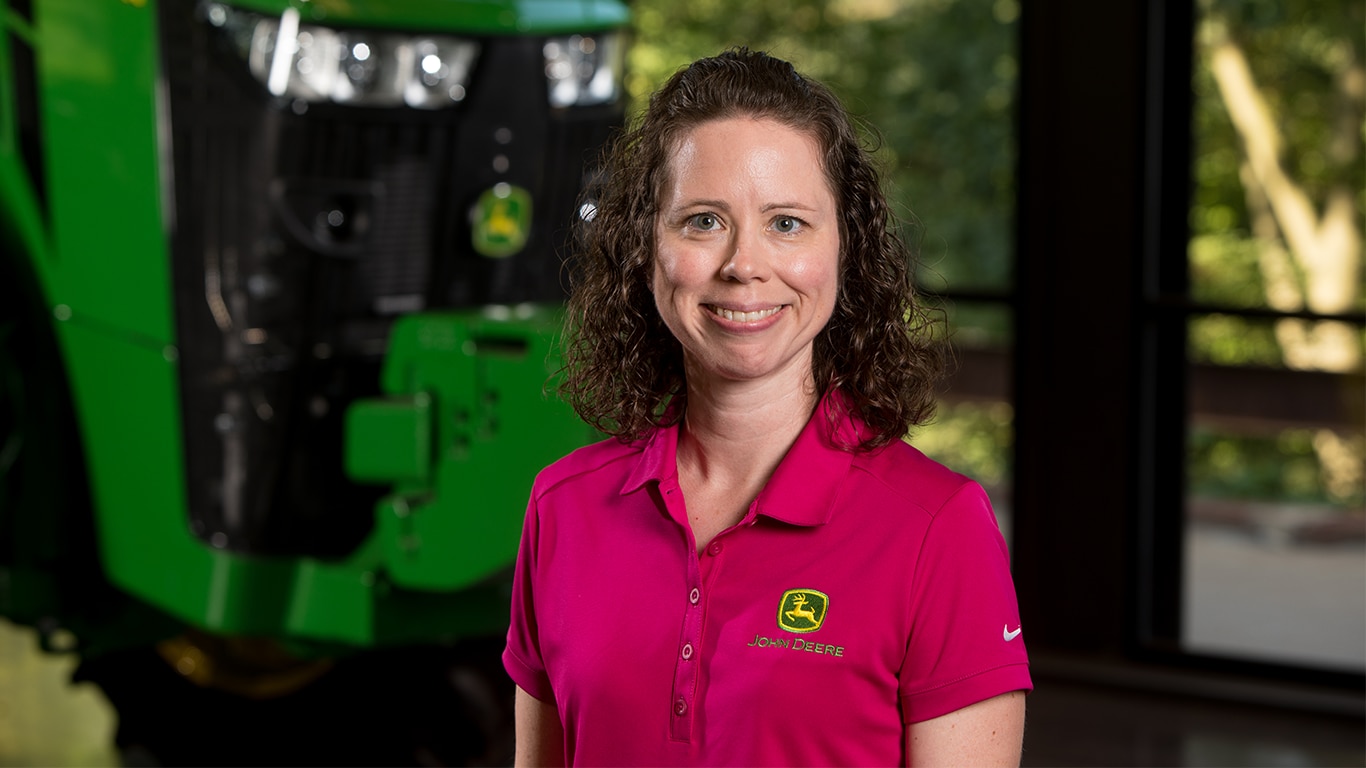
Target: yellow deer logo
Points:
(797, 611)
(802, 610)
(501, 222)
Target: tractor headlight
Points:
(316, 63)
(582, 70)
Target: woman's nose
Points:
(747, 259)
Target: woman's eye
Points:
(786, 224)
(703, 221)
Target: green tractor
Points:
(279, 288)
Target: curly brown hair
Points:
(623, 368)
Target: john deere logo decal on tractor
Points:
(502, 221)
(802, 610)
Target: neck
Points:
(733, 436)
(738, 432)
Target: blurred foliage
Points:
(974, 438)
(1223, 261)
(1306, 59)
(1232, 340)
(1303, 55)
(1284, 467)
(1301, 51)
(978, 324)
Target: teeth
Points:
(745, 317)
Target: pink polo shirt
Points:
(860, 593)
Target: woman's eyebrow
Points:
(701, 203)
(790, 206)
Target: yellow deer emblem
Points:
(501, 222)
(802, 610)
(798, 612)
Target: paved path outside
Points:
(1267, 599)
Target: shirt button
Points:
(687, 651)
(680, 707)
(714, 548)
(694, 596)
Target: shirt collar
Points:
(803, 488)
(658, 459)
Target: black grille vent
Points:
(23, 71)
(300, 231)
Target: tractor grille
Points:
(299, 232)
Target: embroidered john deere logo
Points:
(802, 610)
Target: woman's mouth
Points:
(743, 317)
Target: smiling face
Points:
(747, 246)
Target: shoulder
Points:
(596, 462)
(903, 472)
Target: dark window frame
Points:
(1101, 379)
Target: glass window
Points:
(1275, 523)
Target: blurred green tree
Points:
(1280, 183)
(1276, 222)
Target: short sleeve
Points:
(522, 656)
(966, 643)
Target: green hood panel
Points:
(489, 17)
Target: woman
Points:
(758, 570)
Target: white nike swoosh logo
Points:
(1007, 635)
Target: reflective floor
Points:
(45, 721)
(1075, 724)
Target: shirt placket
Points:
(683, 696)
(702, 574)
